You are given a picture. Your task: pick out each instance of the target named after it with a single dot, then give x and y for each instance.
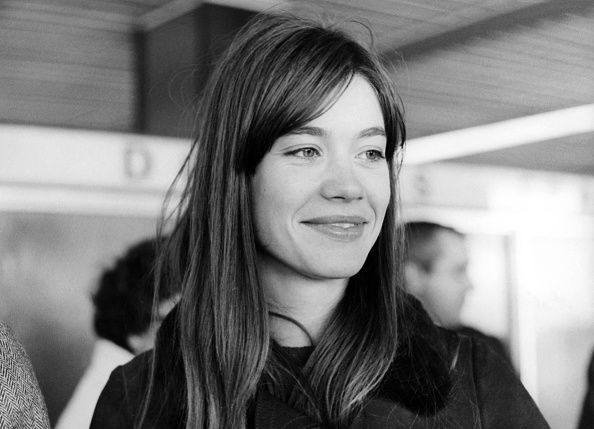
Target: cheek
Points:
(262, 214)
(259, 206)
(274, 199)
(380, 194)
(274, 204)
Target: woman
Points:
(292, 312)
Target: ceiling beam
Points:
(253, 5)
(168, 12)
(177, 8)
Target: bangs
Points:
(288, 104)
(283, 78)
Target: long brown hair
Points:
(279, 73)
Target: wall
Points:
(70, 203)
(49, 265)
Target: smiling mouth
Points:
(338, 228)
(338, 220)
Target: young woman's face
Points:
(321, 193)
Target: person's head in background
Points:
(123, 301)
(436, 270)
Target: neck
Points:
(308, 301)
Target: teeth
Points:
(344, 225)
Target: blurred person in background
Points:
(124, 323)
(436, 273)
(21, 403)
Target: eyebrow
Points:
(310, 131)
(320, 132)
(373, 131)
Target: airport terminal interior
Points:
(96, 118)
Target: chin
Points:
(338, 270)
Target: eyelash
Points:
(378, 153)
(302, 150)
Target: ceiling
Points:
(458, 64)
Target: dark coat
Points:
(494, 342)
(439, 380)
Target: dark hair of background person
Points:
(419, 236)
(123, 300)
(280, 73)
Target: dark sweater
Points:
(439, 380)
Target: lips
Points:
(341, 228)
(336, 219)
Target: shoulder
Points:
(11, 350)
(495, 343)
(23, 404)
(484, 376)
(155, 376)
(441, 376)
(121, 398)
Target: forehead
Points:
(354, 107)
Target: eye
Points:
(305, 152)
(374, 155)
(308, 152)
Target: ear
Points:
(134, 343)
(138, 343)
(414, 278)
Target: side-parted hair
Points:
(278, 74)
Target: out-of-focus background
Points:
(96, 112)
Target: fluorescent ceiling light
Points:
(500, 135)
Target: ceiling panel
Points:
(93, 12)
(568, 155)
(456, 63)
(57, 70)
(402, 22)
(498, 76)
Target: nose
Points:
(340, 182)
